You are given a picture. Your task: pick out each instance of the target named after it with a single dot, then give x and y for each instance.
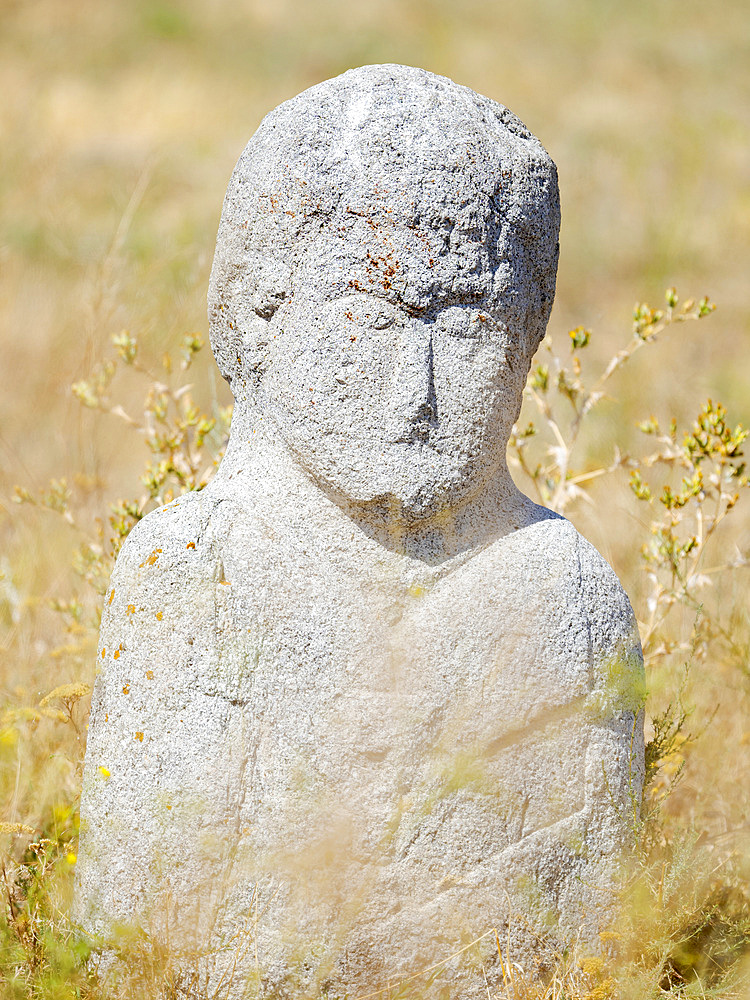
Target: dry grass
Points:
(120, 125)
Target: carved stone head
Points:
(384, 272)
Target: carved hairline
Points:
(264, 237)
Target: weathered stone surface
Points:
(361, 700)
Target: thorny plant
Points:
(185, 444)
(679, 931)
(701, 469)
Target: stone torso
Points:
(355, 749)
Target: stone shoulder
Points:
(551, 548)
(553, 538)
(164, 534)
(614, 642)
(170, 547)
(169, 561)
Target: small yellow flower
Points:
(610, 936)
(67, 692)
(71, 858)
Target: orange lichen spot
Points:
(130, 609)
(225, 583)
(169, 807)
(117, 654)
(104, 652)
(126, 689)
(150, 674)
(190, 545)
(139, 737)
(106, 717)
(111, 595)
(152, 559)
(159, 615)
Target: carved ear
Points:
(244, 298)
(266, 301)
(267, 284)
(255, 351)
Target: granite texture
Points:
(360, 700)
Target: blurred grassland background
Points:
(120, 125)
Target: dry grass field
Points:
(120, 124)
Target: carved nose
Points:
(413, 390)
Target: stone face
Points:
(360, 700)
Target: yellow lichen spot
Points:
(104, 771)
(131, 609)
(416, 590)
(104, 651)
(126, 689)
(225, 583)
(111, 595)
(71, 857)
(150, 674)
(139, 737)
(169, 807)
(190, 545)
(159, 615)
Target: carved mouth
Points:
(416, 433)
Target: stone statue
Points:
(360, 700)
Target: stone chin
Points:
(409, 482)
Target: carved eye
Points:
(381, 321)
